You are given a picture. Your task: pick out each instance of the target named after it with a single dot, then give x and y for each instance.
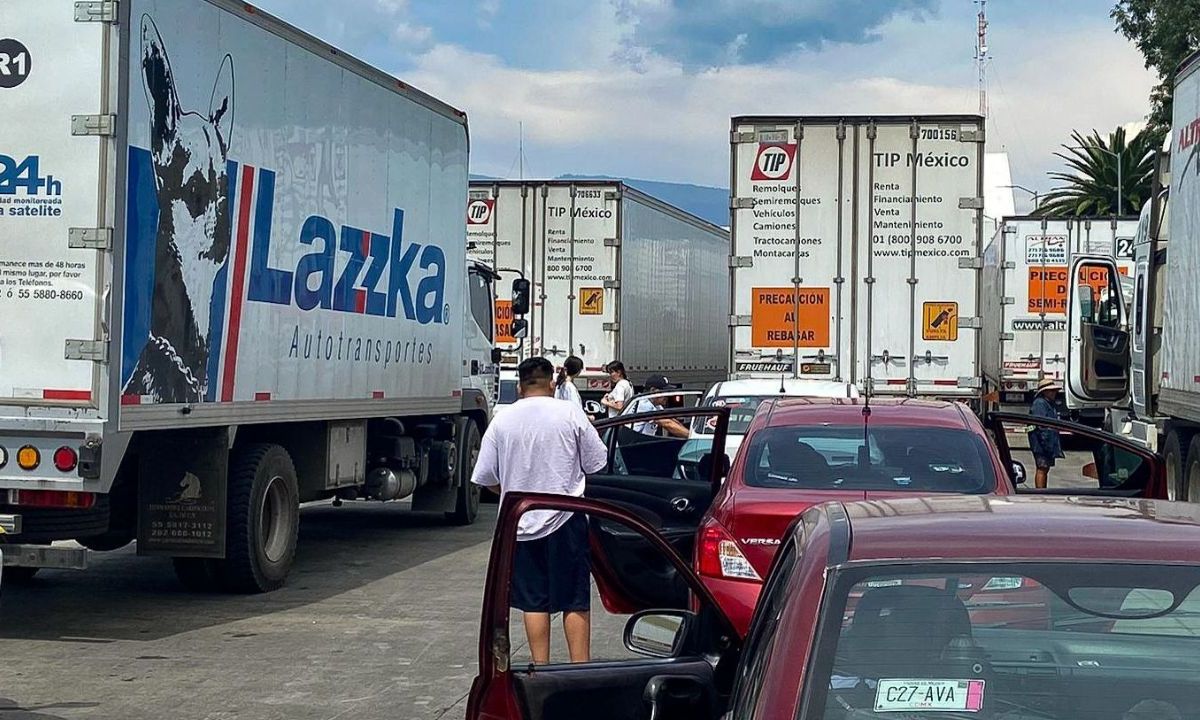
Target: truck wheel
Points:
(19, 575)
(1192, 470)
(466, 509)
(198, 575)
(1174, 459)
(263, 520)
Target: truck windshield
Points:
(898, 458)
(508, 392)
(1068, 641)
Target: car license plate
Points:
(929, 696)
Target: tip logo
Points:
(774, 161)
(479, 212)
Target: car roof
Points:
(791, 387)
(883, 411)
(1022, 528)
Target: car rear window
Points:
(1013, 641)
(897, 458)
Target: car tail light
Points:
(720, 557)
(52, 498)
(65, 459)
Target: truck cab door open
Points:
(669, 482)
(1095, 463)
(696, 649)
(1098, 359)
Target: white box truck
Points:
(1144, 362)
(856, 246)
(230, 284)
(1025, 298)
(615, 273)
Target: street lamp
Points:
(1117, 155)
(1034, 193)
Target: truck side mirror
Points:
(520, 298)
(497, 356)
(520, 327)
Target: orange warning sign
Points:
(591, 301)
(504, 321)
(941, 321)
(777, 319)
(1048, 286)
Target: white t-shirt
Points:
(647, 427)
(622, 392)
(540, 444)
(568, 391)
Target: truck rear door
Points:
(56, 151)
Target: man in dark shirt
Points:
(1044, 443)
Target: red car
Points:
(800, 453)
(889, 609)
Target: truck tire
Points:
(19, 575)
(1192, 470)
(262, 522)
(198, 575)
(466, 508)
(1174, 459)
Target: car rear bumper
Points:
(736, 598)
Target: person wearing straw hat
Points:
(1045, 443)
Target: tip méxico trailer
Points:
(856, 251)
(616, 274)
(224, 293)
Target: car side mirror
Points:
(520, 297)
(1019, 474)
(497, 355)
(520, 328)
(657, 633)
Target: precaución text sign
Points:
(785, 317)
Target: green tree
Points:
(1166, 32)
(1089, 188)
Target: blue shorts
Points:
(553, 574)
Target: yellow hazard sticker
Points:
(591, 301)
(941, 321)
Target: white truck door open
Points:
(1098, 351)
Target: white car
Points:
(507, 391)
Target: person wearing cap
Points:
(1045, 443)
(671, 428)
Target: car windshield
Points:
(1046, 641)
(851, 457)
(741, 412)
(508, 392)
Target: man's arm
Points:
(674, 428)
(487, 465)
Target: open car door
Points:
(1098, 350)
(668, 480)
(679, 664)
(1093, 462)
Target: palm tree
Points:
(1091, 188)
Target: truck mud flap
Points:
(181, 495)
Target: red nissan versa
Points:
(802, 452)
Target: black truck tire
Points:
(19, 575)
(1191, 470)
(1174, 459)
(198, 575)
(466, 507)
(262, 521)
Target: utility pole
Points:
(982, 56)
(521, 149)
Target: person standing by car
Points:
(541, 444)
(665, 426)
(1044, 443)
(622, 391)
(564, 384)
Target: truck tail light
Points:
(719, 556)
(65, 459)
(28, 458)
(52, 499)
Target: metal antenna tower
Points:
(982, 55)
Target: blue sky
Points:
(645, 88)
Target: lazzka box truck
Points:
(615, 273)
(856, 251)
(231, 281)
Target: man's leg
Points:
(537, 629)
(578, 627)
(1041, 476)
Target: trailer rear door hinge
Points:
(90, 238)
(970, 203)
(1008, 301)
(1006, 336)
(94, 350)
(1010, 265)
(612, 242)
(739, 321)
(974, 383)
(970, 263)
(612, 284)
(741, 261)
(612, 327)
(102, 125)
(968, 321)
(612, 195)
(742, 204)
(96, 11)
(971, 136)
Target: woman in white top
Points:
(622, 391)
(564, 385)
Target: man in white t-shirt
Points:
(622, 390)
(541, 444)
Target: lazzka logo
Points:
(479, 212)
(774, 161)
